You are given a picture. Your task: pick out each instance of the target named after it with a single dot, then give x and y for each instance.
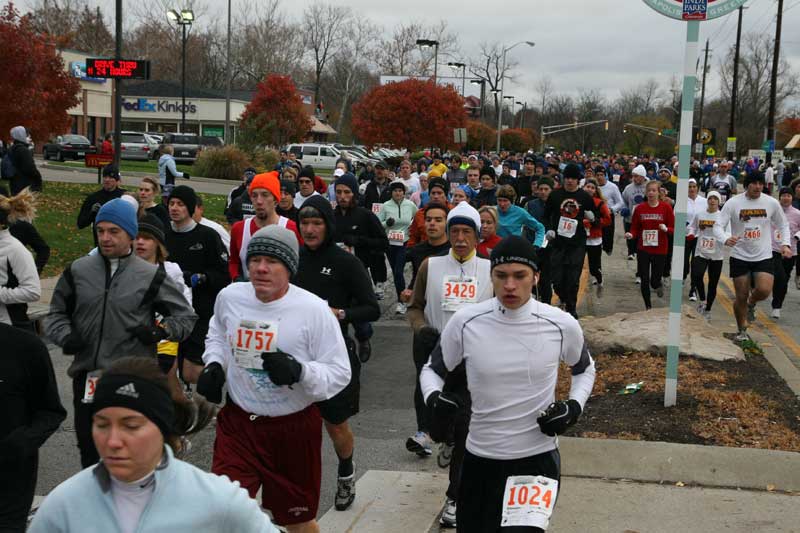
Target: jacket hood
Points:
(321, 204)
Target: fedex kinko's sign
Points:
(145, 105)
(694, 9)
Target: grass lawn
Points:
(125, 165)
(57, 212)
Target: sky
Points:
(606, 45)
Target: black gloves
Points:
(186, 176)
(442, 407)
(283, 369)
(73, 344)
(350, 239)
(210, 382)
(149, 334)
(389, 222)
(559, 416)
(428, 335)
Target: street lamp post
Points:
(509, 97)
(184, 19)
(522, 116)
(428, 43)
(456, 65)
(482, 83)
(502, 86)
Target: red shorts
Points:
(282, 455)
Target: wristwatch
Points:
(341, 315)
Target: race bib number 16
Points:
(252, 339)
(528, 501)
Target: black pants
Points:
(699, 265)
(651, 268)
(421, 352)
(566, 264)
(544, 289)
(378, 268)
(667, 270)
(783, 273)
(483, 482)
(608, 235)
(16, 493)
(595, 255)
(460, 431)
(630, 242)
(688, 257)
(83, 422)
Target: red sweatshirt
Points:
(644, 227)
(595, 229)
(238, 236)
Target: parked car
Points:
(186, 145)
(316, 155)
(135, 145)
(68, 146)
(208, 141)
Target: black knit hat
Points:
(437, 182)
(514, 249)
(152, 225)
(289, 186)
(111, 171)
(572, 171)
(185, 194)
(307, 172)
(546, 180)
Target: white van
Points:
(316, 155)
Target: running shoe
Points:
(638, 280)
(742, 336)
(345, 491)
(448, 518)
(751, 313)
(184, 448)
(701, 307)
(660, 292)
(364, 351)
(608, 253)
(599, 290)
(420, 444)
(776, 314)
(400, 308)
(631, 257)
(594, 282)
(707, 314)
(445, 455)
(379, 290)
(692, 296)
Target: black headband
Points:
(137, 394)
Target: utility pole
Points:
(117, 84)
(227, 133)
(773, 91)
(735, 87)
(703, 96)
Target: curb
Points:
(658, 462)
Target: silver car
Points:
(135, 145)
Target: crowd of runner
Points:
(171, 315)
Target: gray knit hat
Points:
(278, 242)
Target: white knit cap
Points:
(640, 171)
(715, 194)
(19, 133)
(465, 214)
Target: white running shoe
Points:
(776, 314)
(400, 308)
(692, 297)
(599, 290)
(420, 443)
(638, 280)
(379, 290)
(448, 518)
(742, 336)
(631, 257)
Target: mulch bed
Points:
(733, 403)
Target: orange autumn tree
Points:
(412, 114)
(275, 115)
(36, 87)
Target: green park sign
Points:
(694, 9)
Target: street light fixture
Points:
(184, 19)
(428, 43)
(456, 65)
(502, 86)
(482, 83)
(509, 97)
(522, 116)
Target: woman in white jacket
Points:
(15, 260)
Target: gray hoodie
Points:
(106, 307)
(633, 195)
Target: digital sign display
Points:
(126, 69)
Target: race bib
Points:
(528, 501)
(615, 177)
(513, 173)
(650, 237)
(751, 233)
(778, 235)
(567, 227)
(252, 339)
(458, 291)
(454, 185)
(708, 244)
(398, 237)
(377, 208)
(90, 386)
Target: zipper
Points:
(103, 316)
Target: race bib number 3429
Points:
(528, 501)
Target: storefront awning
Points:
(321, 128)
(794, 144)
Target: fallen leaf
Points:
(767, 344)
(770, 487)
(680, 484)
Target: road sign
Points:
(698, 147)
(711, 152)
(98, 160)
(669, 132)
(678, 9)
(731, 144)
(460, 135)
(768, 146)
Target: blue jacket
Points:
(512, 222)
(185, 499)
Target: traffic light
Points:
(605, 125)
(659, 133)
(624, 129)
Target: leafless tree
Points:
(323, 27)
(489, 66)
(395, 52)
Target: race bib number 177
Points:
(528, 501)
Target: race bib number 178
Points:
(528, 501)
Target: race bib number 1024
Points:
(528, 501)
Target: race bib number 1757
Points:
(252, 339)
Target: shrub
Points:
(226, 163)
(264, 159)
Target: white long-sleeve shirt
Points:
(613, 197)
(753, 222)
(710, 235)
(14, 254)
(512, 358)
(304, 328)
